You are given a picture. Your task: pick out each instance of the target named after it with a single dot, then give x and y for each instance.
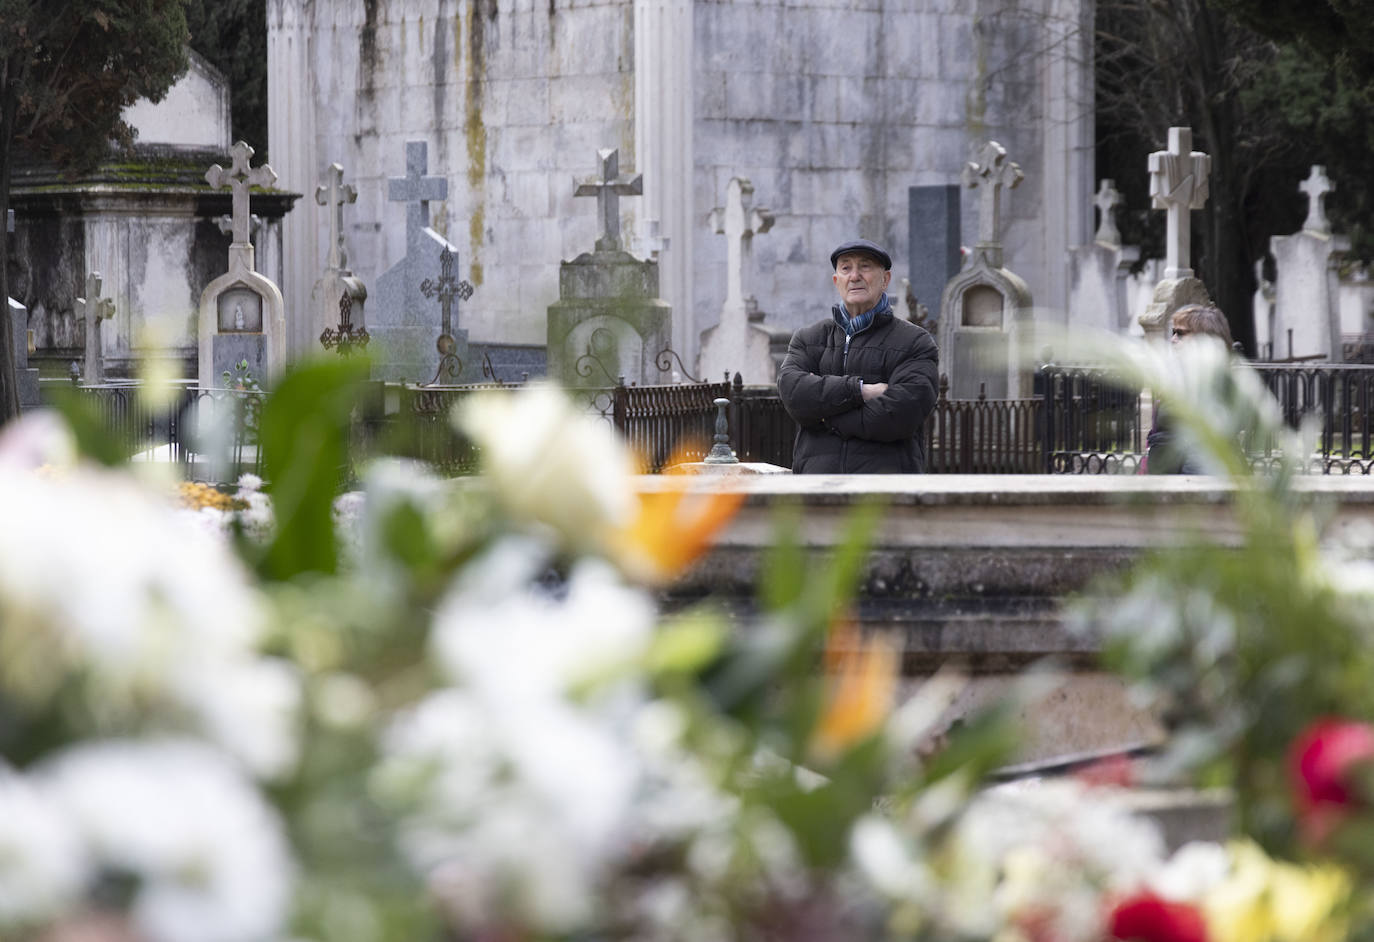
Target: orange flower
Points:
(674, 526)
(861, 682)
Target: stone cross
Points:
(1316, 186)
(739, 222)
(1178, 184)
(993, 172)
(93, 309)
(1106, 200)
(446, 287)
(608, 190)
(416, 190)
(226, 224)
(239, 177)
(334, 194)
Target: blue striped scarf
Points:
(852, 325)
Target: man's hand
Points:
(873, 390)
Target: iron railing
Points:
(196, 427)
(1080, 421)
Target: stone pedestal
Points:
(1307, 318)
(608, 322)
(1099, 294)
(1170, 295)
(983, 312)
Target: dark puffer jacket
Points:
(838, 432)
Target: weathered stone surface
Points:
(867, 99)
(974, 571)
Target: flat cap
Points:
(862, 247)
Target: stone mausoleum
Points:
(148, 222)
(832, 111)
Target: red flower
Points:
(1320, 763)
(1147, 918)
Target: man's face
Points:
(861, 281)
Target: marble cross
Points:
(93, 309)
(608, 190)
(334, 194)
(447, 287)
(239, 177)
(416, 190)
(994, 173)
(1178, 184)
(1316, 186)
(1106, 200)
(739, 222)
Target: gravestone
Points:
(738, 344)
(935, 257)
(93, 310)
(1099, 272)
(983, 309)
(1307, 317)
(608, 321)
(413, 320)
(337, 294)
(26, 376)
(1178, 185)
(242, 316)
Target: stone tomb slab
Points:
(974, 571)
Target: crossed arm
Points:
(882, 412)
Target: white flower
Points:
(548, 461)
(883, 857)
(251, 707)
(516, 643)
(209, 854)
(42, 865)
(1051, 847)
(521, 807)
(1192, 872)
(36, 439)
(103, 578)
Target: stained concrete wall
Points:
(832, 109)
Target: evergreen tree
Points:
(68, 68)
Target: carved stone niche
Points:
(239, 311)
(982, 312)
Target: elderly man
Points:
(862, 382)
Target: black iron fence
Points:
(209, 432)
(1079, 421)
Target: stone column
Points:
(664, 54)
(293, 148)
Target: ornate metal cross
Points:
(1106, 200)
(447, 287)
(608, 190)
(93, 309)
(1178, 184)
(739, 222)
(993, 172)
(416, 189)
(239, 177)
(334, 194)
(1316, 186)
(344, 337)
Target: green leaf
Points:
(304, 439)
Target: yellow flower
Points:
(861, 681)
(1263, 900)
